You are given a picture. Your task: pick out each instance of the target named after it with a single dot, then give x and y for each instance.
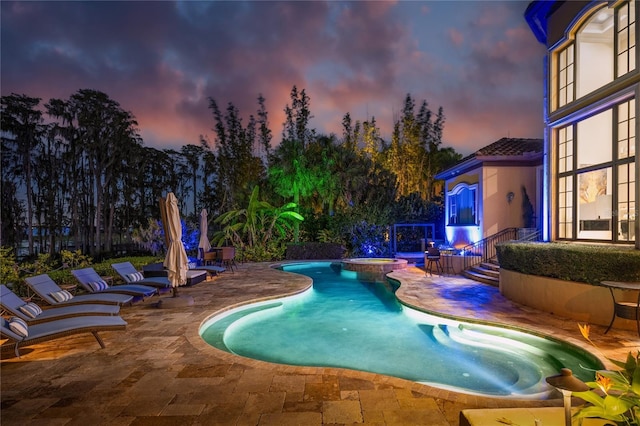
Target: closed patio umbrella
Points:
(176, 262)
(204, 244)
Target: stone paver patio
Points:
(159, 371)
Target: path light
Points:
(566, 383)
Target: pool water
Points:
(343, 322)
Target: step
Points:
(486, 279)
(493, 265)
(482, 269)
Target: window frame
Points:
(452, 203)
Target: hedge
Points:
(586, 263)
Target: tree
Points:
(237, 166)
(102, 134)
(20, 118)
(289, 172)
(193, 157)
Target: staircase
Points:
(481, 262)
(484, 272)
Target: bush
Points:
(313, 250)
(571, 262)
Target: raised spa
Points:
(374, 264)
(345, 322)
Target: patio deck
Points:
(159, 371)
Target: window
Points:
(565, 149)
(604, 48)
(626, 202)
(594, 204)
(594, 52)
(595, 187)
(627, 130)
(626, 39)
(462, 204)
(565, 208)
(565, 76)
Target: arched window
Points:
(602, 49)
(463, 205)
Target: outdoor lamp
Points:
(566, 383)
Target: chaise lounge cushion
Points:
(19, 326)
(61, 296)
(31, 309)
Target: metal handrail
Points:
(485, 249)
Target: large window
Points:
(604, 48)
(595, 187)
(462, 202)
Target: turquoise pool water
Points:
(343, 322)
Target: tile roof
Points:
(503, 150)
(511, 147)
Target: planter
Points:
(585, 303)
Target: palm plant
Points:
(256, 225)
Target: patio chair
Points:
(33, 314)
(92, 282)
(227, 256)
(432, 258)
(131, 275)
(47, 290)
(21, 334)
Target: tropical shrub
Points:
(8, 266)
(151, 237)
(615, 395)
(314, 250)
(258, 231)
(74, 259)
(367, 240)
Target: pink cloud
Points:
(457, 38)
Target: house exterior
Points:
(591, 184)
(495, 188)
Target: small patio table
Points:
(624, 309)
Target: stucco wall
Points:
(497, 182)
(584, 303)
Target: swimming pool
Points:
(347, 323)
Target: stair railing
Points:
(485, 249)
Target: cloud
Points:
(163, 61)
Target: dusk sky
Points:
(163, 60)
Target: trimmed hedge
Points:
(571, 262)
(314, 250)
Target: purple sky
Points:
(163, 60)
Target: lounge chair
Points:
(46, 289)
(92, 282)
(21, 334)
(33, 314)
(131, 275)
